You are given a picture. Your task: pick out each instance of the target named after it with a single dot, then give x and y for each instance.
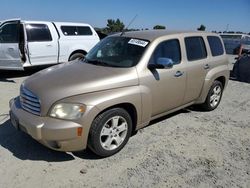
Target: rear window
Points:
(195, 48)
(76, 30)
(215, 45)
(38, 33)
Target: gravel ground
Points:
(186, 149)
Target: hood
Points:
(74, 78)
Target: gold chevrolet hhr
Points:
(123, 83)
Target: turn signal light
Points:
(79, 131)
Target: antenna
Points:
(123, 31)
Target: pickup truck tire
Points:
(110, 131)
(76, 56)
(214, 96)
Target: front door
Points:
(9, 45)
(167, 86)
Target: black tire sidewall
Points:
(97, 125)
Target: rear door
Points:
(9, 45)
(197, 66)
(42, 43)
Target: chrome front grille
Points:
(29, 101)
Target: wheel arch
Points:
(130, 108)
(222, 79)
(208, 83)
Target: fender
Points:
(212, 75)
(97, 102)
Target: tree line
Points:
(117, 25)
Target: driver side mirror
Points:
(162, 63)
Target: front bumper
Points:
(61, 135)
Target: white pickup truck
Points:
(32, 43)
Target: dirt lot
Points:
(186, 149)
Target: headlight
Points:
(67, 111)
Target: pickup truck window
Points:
(215, 45)
(38, 33)
(117, 52)
(9, 33)
(195, 48)
(167, 49)
(76, 30)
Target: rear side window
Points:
(195, 48)
(167, 49)
(76, 30)
(38, 33)
(215, 45)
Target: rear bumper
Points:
(61, 135)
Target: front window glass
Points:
(9, 33)
(117, 52)
(167, 49)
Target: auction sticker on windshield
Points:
(138, 42)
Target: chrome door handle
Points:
(206, 66)
(178, 74)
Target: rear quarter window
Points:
(195, 48)
(215, 45)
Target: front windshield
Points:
(117, 52)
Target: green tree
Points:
(201, 28)
(159, 27)
(114, 26)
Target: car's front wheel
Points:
(214, 96)
(110, 132)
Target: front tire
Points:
(110, 131)
(214, 96)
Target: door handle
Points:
(11, 49)
(178, 74)
(49, 45)
(206, 66)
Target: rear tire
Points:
(213, 97)
(110, 131)
(76, 56)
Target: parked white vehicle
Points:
(32, 43)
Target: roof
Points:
(151, 35)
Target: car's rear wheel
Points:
(110, 131)
(76, 56)
(214, 96)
